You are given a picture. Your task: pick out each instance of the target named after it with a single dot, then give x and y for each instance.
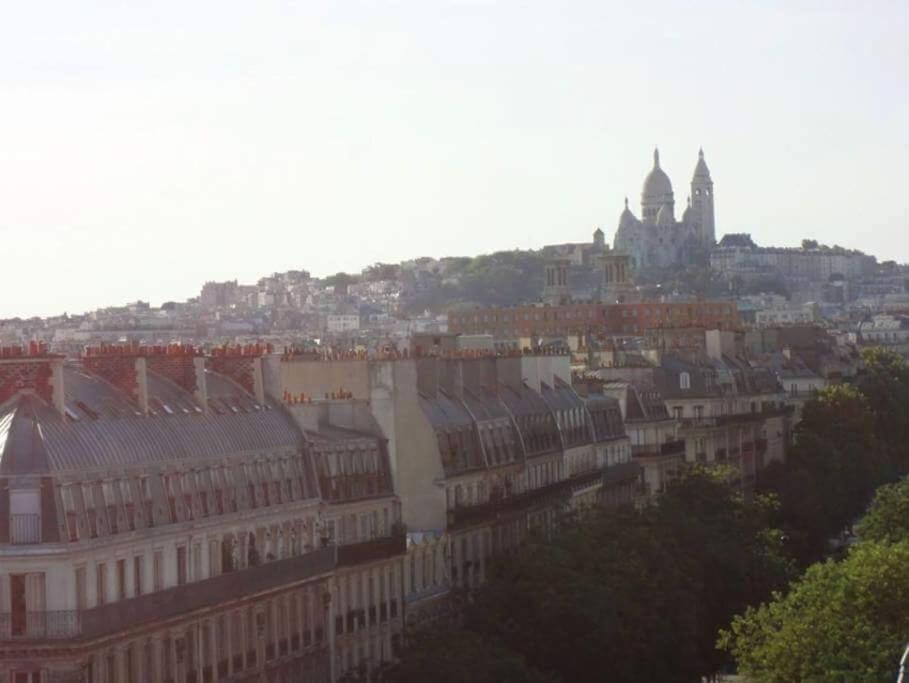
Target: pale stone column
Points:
(205, 570)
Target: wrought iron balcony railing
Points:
(45, 625)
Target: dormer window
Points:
(684, 381)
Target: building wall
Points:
(615, 319)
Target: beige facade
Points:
(170, 516)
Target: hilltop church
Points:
(657, 239)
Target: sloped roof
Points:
(103, 427)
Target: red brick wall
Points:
(178, 368)
(26, 374)
(118, 370)
(241, 369)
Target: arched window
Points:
(684, 381)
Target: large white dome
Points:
(656, 185)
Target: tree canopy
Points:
(842, 621)
(625, 595)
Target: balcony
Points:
(24, 529)
(715, 421)
(172, 603)
(670, 448)
(39, 625)
(429, 592)
(206, 594)
(473, 514)
(372, 551)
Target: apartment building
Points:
(728, 411)
(245, 515)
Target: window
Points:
(137, 575)
(684, 381)
(158, 570)
(81, 601)
(677, 412)
(197, 562)
(121, 579)
(100, 583)
(181, 565)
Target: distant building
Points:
(886, 330)
(215, 294)
(338, 323)
(738, 255)
(630, 319)
(657, 239)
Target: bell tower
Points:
(555, 282)
(702, 201)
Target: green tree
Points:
(887, 518)
(843, 621)
(631, 596)
(885, 383)
(454, 655)
(832, 471)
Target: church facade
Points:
(657, 239)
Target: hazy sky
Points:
(148, 147)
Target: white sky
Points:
(148, 147)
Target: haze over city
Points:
(148, 148)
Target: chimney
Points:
(32, 369)
(243, 364)
(182, 364)
(123, 366)
(126, 366)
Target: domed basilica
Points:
(657, 239)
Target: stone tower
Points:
(555, 282)
(599, 239)
(702, 201)
(616, 277)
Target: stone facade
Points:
(657, 239)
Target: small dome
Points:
(688, 214)
(627, 218)
(657, 183)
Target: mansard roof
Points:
(104, 428)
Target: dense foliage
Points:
(499, 279)
(623, 596)
(846, 620)
(842, 621)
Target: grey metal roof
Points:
(102, 428)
